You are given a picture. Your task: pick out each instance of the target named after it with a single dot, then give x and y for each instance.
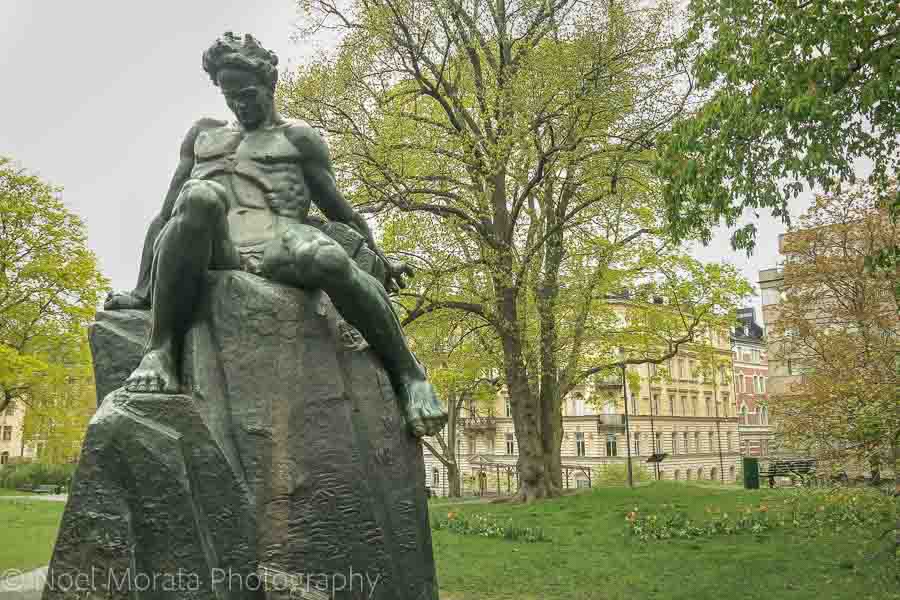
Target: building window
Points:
(674, 443)
(699, 473)
(491, 445)
(658, 443)
(689, 474)
(580, 448)
(4, 458)
(582, 483)
(7, 433)
(728, 441)
(677, 475)
(686, 445)
(712, 442)
(435, 478)
(684, 405)
(637, 444)
(681, 369)
(579, 405)
(510, 444)
(764, 414)
(654, 409)
(696, 441)
(611, 449)
(762, 383)
(708, 407)
(694, 406)
(671, 405)
(508, 408)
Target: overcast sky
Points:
(97, 95)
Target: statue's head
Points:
(246, 73)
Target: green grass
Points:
(592, 555)
(27, 532)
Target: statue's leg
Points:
(139, 298)
(305, 257)
(194, 239)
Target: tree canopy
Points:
(49, 291)
(506, 148)
(837, 332)
(794, 91)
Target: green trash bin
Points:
(751, 473)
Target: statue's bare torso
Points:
(262, 172)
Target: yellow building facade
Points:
(673, 411)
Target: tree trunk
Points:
(534, 482)
(454, 489)
(551, 402)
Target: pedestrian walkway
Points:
(22, 586)
(44, 497)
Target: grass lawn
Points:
(27, 532)
(592, 555)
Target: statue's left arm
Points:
(319, 174)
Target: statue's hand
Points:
(123, 300)
(424, 413)
(395, 272)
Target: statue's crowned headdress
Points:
(233, 51)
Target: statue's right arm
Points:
(142, 294)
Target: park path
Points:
(45, 498)
(23, 586)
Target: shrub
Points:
(812, 510)
(617, 474)
(33, 474)
(488, 526)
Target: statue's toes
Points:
(433, 425)
(136, 383)
(417, 427)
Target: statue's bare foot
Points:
(124, 300)
(424, 412)
(155, 374)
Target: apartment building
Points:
(751, 375)
(674, 412)
(12, 446)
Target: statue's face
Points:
(249, 99)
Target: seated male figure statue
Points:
(239, 199)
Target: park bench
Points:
(794, 468)
(46, 489)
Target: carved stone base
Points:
(285, 465)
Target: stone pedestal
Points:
(286, 459)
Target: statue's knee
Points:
(201, 201)
(331, 261)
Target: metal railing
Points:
(610, 420)
(479, 422)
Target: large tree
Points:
(837, 326)
(795, 91)
(49, 290)
(506, 146)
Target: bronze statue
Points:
(239, 199)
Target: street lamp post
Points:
(627, 429)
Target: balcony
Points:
(479, 423)
(752, 419)
(609, 381)
(610, 422)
